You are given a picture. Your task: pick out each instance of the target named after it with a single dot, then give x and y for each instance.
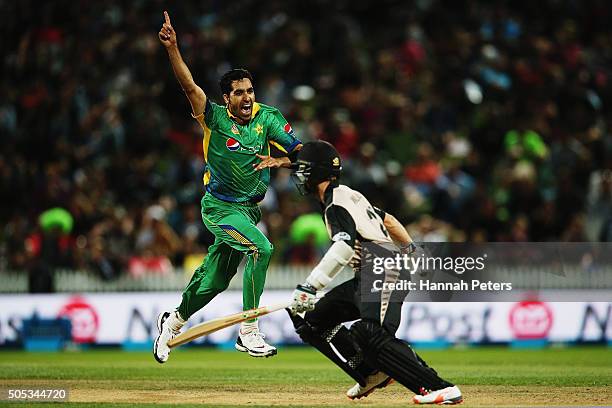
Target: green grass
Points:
(231, 372)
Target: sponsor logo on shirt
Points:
(288, 129)
(341, 236)
(232, 144)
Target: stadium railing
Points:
(286, 277)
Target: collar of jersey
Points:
(328, 194)
(256, 108)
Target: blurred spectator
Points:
(49, 248)
(599, 199)
(575, 230)
(525, 145)
(424, 172)
(453, 189)
(491, 117)
(155, 239)
(309, 240)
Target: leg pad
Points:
(395, 358)
(335, 343)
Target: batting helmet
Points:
(316, 162)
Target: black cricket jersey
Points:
(350, 217)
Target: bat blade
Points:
(219, 323)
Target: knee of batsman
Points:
(337, 336)
(370, 335)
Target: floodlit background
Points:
(469, 121)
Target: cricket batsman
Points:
(369, 351)
(237, 138)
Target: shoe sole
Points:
(161, 318)
(452, 401)
(243, 349)
(382, 385)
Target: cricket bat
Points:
(219, 323)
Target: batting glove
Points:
(304, 297)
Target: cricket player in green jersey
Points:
(236, 145)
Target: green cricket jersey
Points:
(230, 149)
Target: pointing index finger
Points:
(167, 17)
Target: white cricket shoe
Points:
(374, 381)
(445, 396)
(253, 343)
(161, 351)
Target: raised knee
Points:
(265, 250)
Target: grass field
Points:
(302, 377)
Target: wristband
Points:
(408, 248)
(308, 288)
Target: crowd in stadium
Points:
(470, 121)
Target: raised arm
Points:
(195, 94)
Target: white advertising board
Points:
(113, 318)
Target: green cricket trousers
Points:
(236, 234)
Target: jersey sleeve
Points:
(280, 133)
(380, 213)
(341, 224)
(208, 118)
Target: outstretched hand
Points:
(167, 35)
(271, 162)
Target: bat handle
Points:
(279, 306)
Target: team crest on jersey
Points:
(288, 129)
(341, 236)
(232, 144)
(235, 129)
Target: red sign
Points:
(531, 320)
(84, 319)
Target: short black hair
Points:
(233, 75)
